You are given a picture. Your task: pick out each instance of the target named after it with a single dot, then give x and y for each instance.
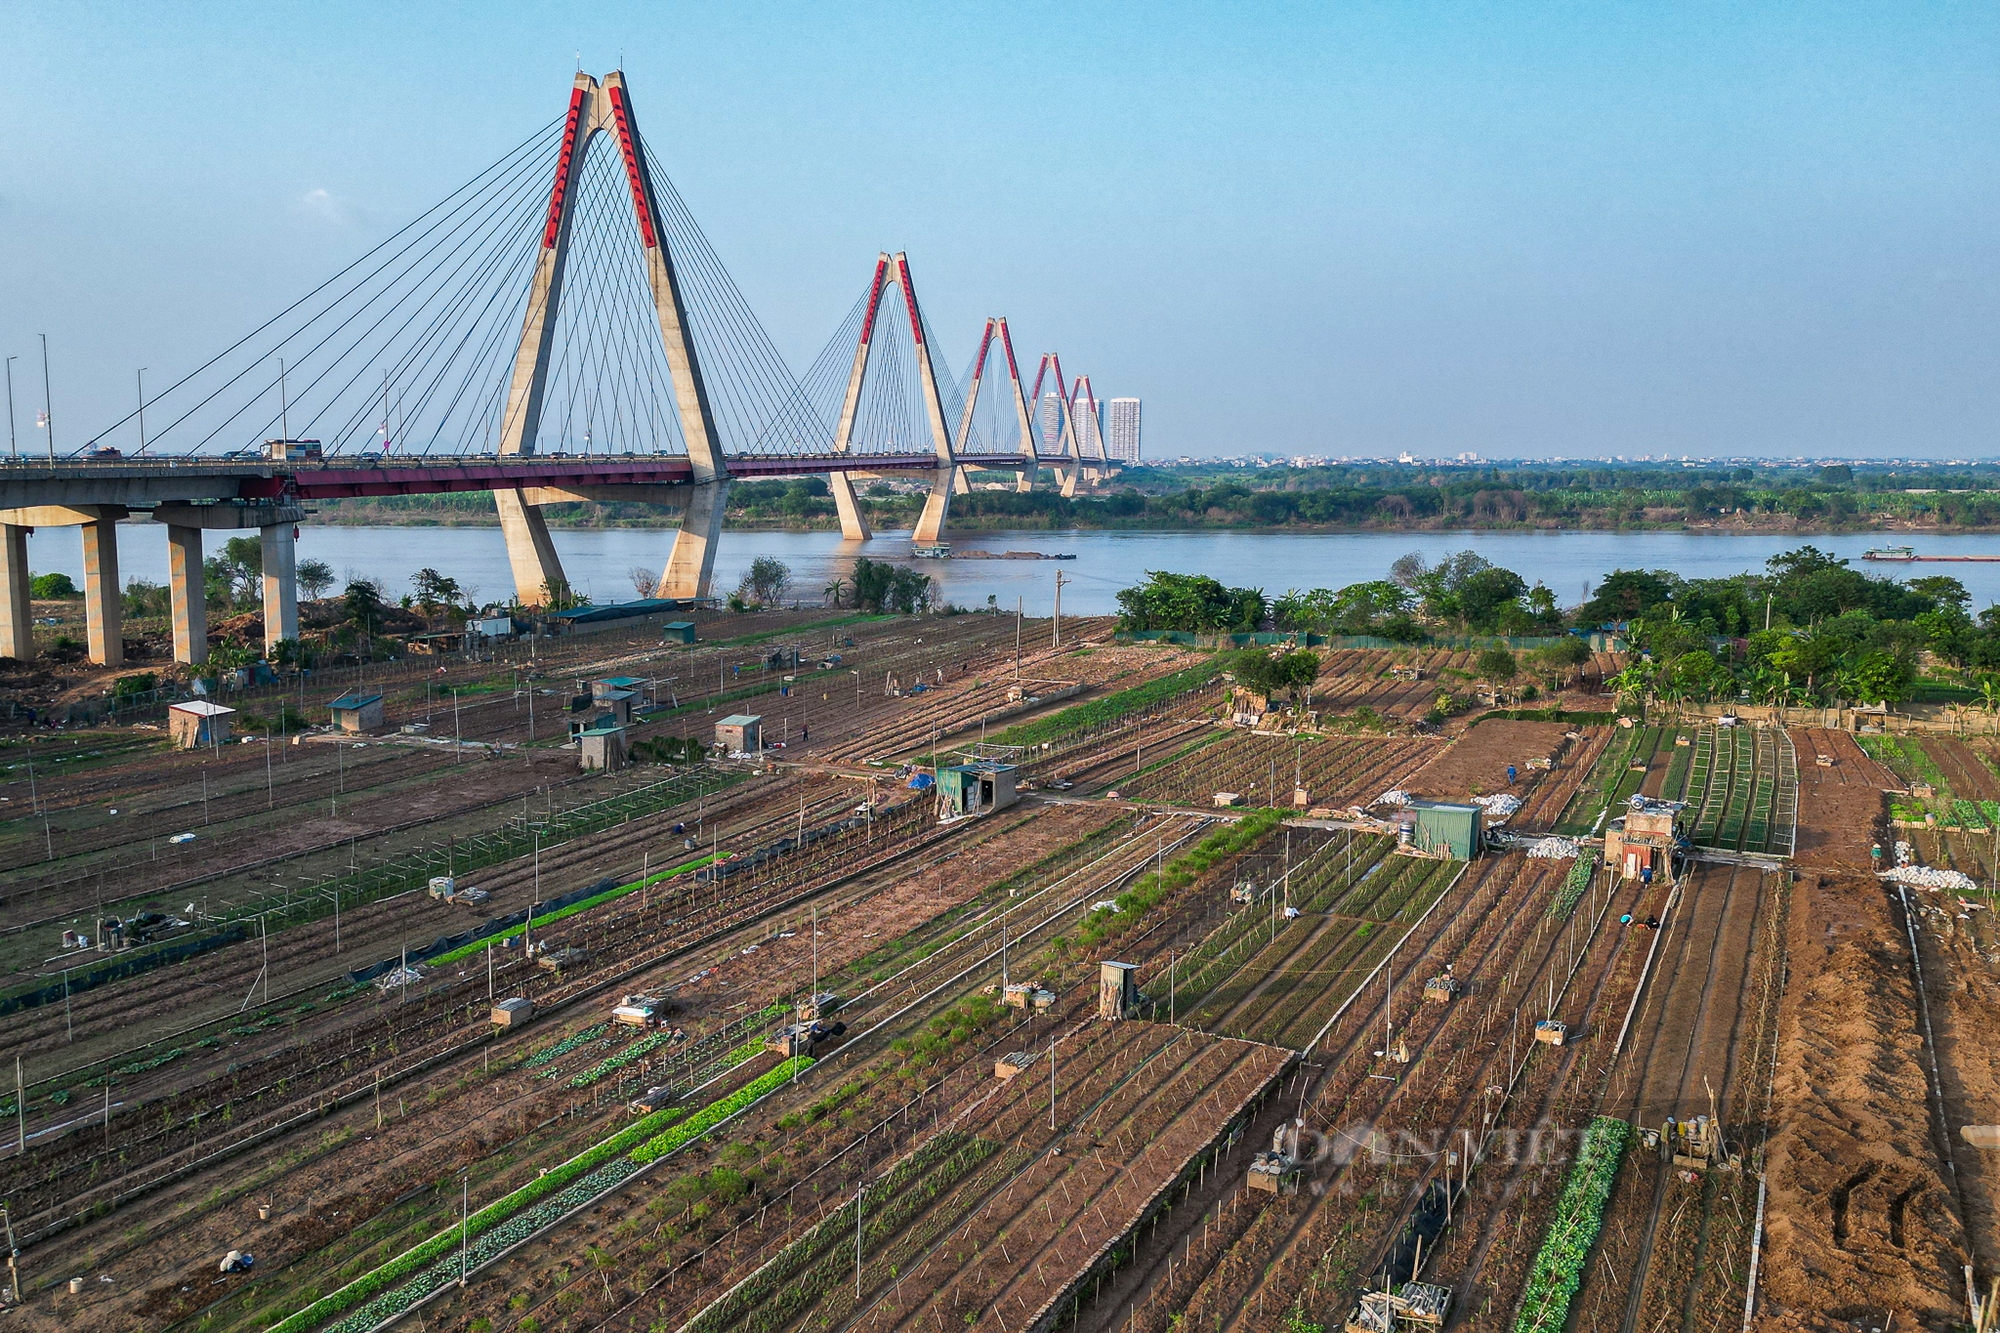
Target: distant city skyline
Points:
(1370, 229)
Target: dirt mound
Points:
(1861, 1218)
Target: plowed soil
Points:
(1862, 1217)
(1476, 765)
(1841, 808)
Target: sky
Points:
(1516, 230)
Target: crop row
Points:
(1612, 772)
(798, 1273)
(1574, 884)
(1147, 890)
(611, 1064)
(588, 1173)
(1111, 707)
(1558, 1268)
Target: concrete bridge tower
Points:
(606, 109)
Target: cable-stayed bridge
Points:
(556, 328)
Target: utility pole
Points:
(1055, 640)
(1020, 611)
(13, 441)
(48, 405)
(464, 1223)
(1052, 1080)
(13, 1256)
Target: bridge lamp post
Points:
(142, 407)
(13, 442)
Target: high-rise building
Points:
(1048, 418)
(1084, 421)
(1121, 433)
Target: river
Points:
(598, 561)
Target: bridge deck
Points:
(142, 482)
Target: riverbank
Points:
(363, 514)
(599, 562)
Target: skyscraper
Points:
(1122, 429)
(1048, 420)
(1084, 421)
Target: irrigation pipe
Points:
(1756, 1255)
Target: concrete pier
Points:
(189, 594)
(281, 591)
(692, 561)
(103, 590)
(17, 613)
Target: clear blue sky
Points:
(1517, 229)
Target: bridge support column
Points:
(538, 571)
(103, 590)
(691, 565)
(853, 527)
(281, 589)
(930, 527)
(190, 600)
(17, 613)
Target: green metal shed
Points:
(1444, 829)
(677, 631)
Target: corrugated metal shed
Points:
(1446, 829)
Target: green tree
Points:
(1496, 665)
(1193, 603)
(52, 587)
(362, 603)
(766, 581)
(434, 591)
(315, 577)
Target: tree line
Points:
(1807, 629)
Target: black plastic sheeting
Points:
(1426, 1224)
(120, 968)
(444, 944)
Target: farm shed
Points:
(602, 747)
(357, 712)
(585, 619)
(493, 627)
(978, 787)
(617, 705)
(740, 732)
(1645, 838)
(677, 631)
(1446, 829)
(1117, 990)
(198, 722)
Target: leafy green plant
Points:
(1558, 1268)
(1097, 712)
(1574, 884)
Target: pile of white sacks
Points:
(1931, 877)
(1552, 849)
(1499, 805)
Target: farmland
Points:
(944, 1159)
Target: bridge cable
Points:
(410, 234)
